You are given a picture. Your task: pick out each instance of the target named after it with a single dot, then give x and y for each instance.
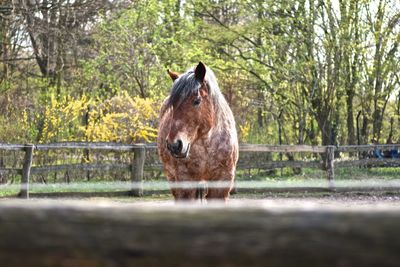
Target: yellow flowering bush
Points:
(121, 118)
(244, 131)
(63, 119)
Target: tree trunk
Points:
(350, 118)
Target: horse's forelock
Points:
(186, 85)
(182, 88)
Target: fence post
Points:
(26, 171)
(330, 166)
(137, 170)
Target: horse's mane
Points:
(187, 84)
(183, 87)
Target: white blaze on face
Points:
(178, 131)
(185, 141)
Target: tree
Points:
(55, 29)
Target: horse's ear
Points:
(200, 72)
(173, 75)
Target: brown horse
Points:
(197, 139)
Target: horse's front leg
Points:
(182, 191)
(218, 194)
(184, 194)
(220, 189)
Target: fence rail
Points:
(89, 234)
(282, 148)
(137, 163)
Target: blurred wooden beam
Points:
(59, 234)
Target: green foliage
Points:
(17, 128)
(292, 71)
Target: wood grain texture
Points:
(281, 148)
(369, 162)
(82, 167)
(366, 148)
(137, 171)
(26, 171)
(279, 164)
(76, 235)
(143, 163)
(12, 147)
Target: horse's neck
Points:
(224, 123)
(225, 128)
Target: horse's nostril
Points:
(176, 147)
(179, 145)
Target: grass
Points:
(387, 173)
(344, 177)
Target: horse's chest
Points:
(196, 164)
(207, 160)
(204, 161)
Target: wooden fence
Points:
(137, 165)
(90, 234)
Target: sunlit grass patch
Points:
(388, 177)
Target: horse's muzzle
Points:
(177, 149)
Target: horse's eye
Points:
(197, 101)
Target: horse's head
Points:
(192, 110)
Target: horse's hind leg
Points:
(220, 189)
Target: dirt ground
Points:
(351, 201)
